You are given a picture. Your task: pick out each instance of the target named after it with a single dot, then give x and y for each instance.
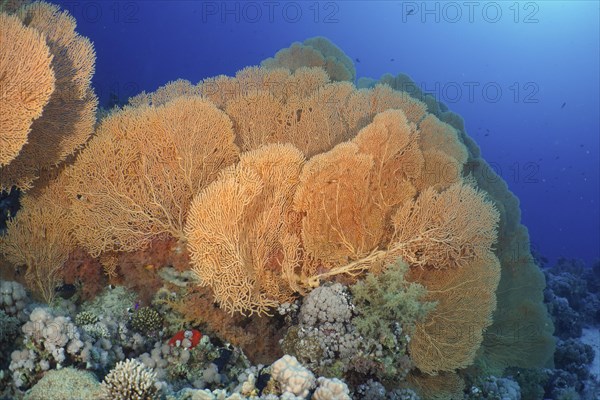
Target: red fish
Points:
(193, 335)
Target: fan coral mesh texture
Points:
(314, 52)
(26, 83)
(136, 178)
(69, 117)
(236, 229)
(39, 237)
(285, 176)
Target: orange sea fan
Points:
(26, 83)
(236, 230)
(135, 180)
(70, 115)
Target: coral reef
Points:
(314, 52)
(66, 383)
(27, 83)
(572, 297)
(495, 388)
(129, 380)
(69, 116)
(575, 358)
(325, 338)
(359, 226)
(13, 299)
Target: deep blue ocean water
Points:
(524, 76)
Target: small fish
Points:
(410, 12)
(263, 379)
(563, 105)
(357, 59)
(224, 357)
(133, 309)
(149, 267)
(487, 134)
(392, 60)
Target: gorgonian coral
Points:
(285, 176)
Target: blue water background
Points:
(524, 76)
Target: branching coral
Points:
(129, 379)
